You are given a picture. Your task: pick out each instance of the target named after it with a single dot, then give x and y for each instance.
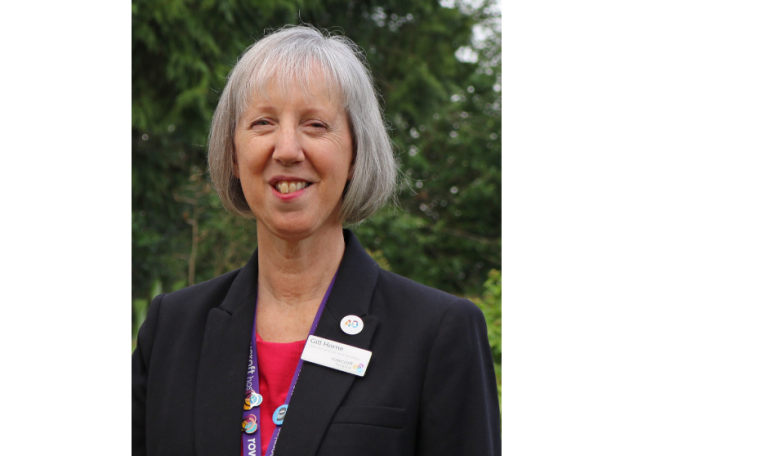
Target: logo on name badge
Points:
(249, 424)
(352, 324)
(359, 368)
(252, 399)
(279, 414)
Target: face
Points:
(293, 157)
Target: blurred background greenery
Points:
(437, 65)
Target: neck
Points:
(293, 278)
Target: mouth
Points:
(290, 186)
(287, 187)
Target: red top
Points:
(277, 362)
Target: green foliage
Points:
(490, 303)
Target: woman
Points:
(298, 142)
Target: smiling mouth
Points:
(286, 187)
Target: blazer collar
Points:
(355, 280)
(244, 287)
(319, 390)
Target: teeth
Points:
(290, 187)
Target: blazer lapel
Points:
(320, 390)
(220, 388)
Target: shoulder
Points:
(196, 300)
(180, 317)
(402, 297)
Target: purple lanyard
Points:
(252, 442)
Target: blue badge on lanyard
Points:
(252, 399)
(249, 424)
(279, 414)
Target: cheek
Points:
(248, 164)
(342, 173)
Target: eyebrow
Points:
(311, 110)
(315, 110)
(264, 107)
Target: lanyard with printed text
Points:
(251, 425)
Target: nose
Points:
(288, 148)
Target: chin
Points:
(294, 228)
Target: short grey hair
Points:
(294, 54)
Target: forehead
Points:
(309, 83)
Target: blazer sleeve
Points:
(459, 411)
(140, 368)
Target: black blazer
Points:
(429, 389)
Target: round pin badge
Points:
(252, 399)
(249, 424)
(279, 414)
(352, 324)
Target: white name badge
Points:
(336, 355)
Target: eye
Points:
(316, 124)
(260, 123)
